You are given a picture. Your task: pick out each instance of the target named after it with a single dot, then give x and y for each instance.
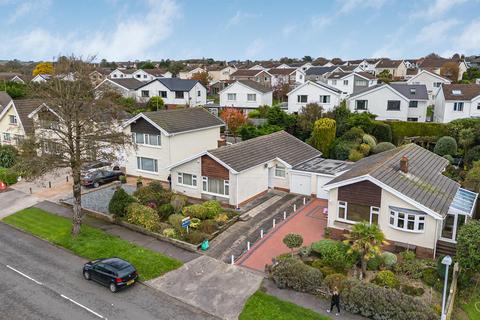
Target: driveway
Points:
(41, 281)
(13, 200)
(210, 285)
(309, 222)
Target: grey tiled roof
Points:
(174, 84)
(319, 70)
(4, 100)
(255, 85)
(411, 91)
(180, 120)
(129, 83)
(24, 107)
(424, 182)
(253, 152)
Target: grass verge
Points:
(472, 306)
(92, 243)
(267, 307)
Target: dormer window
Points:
(413, 91)
(456, 92)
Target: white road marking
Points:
(82, 306)
(63, 296)
(23, 274)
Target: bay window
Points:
(407, 220)
(215, 186)
(187, 179)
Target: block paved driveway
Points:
(309, 221)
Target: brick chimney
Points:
(221, 143)
(404, 164)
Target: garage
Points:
(321, 181)
(301, 183)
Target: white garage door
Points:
(321, 181)
(300, 183)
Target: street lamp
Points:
(447, 261)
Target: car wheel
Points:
(86, 275)
(113, 287)
(96, 185)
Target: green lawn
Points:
(92, 243)
(266, 307)
(472, 308)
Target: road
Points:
(41, 281)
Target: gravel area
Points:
(97, 200)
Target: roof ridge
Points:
(249, 140)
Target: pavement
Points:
(13, 200)
(42, 281)
(211, 285)
(124, 233)
(308, 221)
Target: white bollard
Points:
(273, 223)
(294, 207)
(304, 200)
(284, 215)
(261, 234)
(248, 245)
(233, 260)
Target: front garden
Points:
(161, 211)
(373, 283)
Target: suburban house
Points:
(14, 121)
(187, 74)
(12, 77)
(320, 73)
(457, 101)
(121, 73)
(173, 91)
(246, 94)
(98, 75)
(351, 82)
(431, 80)
(220, 73)
(281, 76)
(216, 86)
(165, 137)
(299, 76)
(396, 68)
(313, 92)
(261, 76)
(158, 73)
(404, 192)
(124, 86)
(395, 101)
(41, 78)
(238, 173)
(435, 64)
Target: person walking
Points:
(335, 301)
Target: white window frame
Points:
(226, 187)
(181, 179)
(417, 219)
(15, 120)
(374, 211)
(299, 98)
(7, 137)
(278, 171)
(140, 168)
(478, 106)
(146, 139)
(356, 104)
(345, 82)
(410, 106)
(456, 106)
(231, 96)
(162, 93)
(324, 98)
(334, 82)
(250, 95)
(145, 93)
(342, 205)
(361, 83)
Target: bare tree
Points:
(73, 125)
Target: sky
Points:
(237, 29)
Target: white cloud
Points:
(28, 8)
(240, 17)
(351, 5)
(255, 48)
(437, 9)
(436, 32)
(131, 38)
(469, 39)
(288, 30)
(320, 22)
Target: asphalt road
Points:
(41, 281)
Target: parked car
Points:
(99, 177)
(95, 165)
(114, 273)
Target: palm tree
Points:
(365, 239)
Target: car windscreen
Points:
(125, 271)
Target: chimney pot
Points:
(221, 142)
(404, 164)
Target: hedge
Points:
(293, 273)
(402, 129)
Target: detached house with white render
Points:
(351, 82)
(395, 101)
(404, 192)
(14, 121)
(173, 91)
(432, 81)
(457, 101)
(246, 95)
(313, 92)
(162, 138)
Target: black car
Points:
(99, 177)
(95, 165)
(112, 272)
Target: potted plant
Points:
(139, 182)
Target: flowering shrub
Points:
(142, 215)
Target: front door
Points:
(270, 177)
(451, 224)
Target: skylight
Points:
(457, 92)
(412, 91)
